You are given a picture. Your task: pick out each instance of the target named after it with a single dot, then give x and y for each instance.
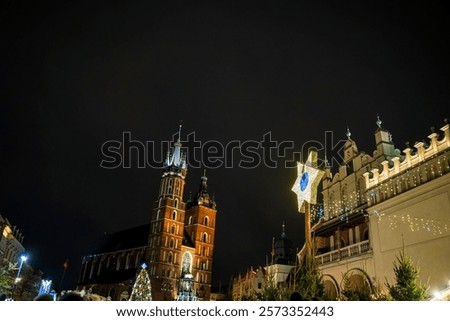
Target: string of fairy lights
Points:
(418, 224)
(350, 203)
(409, 179)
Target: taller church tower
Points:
(167, 226)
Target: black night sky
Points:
(74, 75)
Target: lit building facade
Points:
(246, 286)
(177, 244)
(377, 203)
(10, 241)
(275, 273)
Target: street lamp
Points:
(23, 258)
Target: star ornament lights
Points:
(308, 179)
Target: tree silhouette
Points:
(407, 287)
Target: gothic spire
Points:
(175, 158)
(202, 196)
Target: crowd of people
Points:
(68, 296)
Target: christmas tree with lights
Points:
(142, 290)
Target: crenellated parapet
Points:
(420, 164)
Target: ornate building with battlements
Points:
(379, 203)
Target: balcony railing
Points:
(344, 253)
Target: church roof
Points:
(112, 276)
(122, 240)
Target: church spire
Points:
(204, 181)
(179, 131)
(175, 159)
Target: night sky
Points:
(74, 76)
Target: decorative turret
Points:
(383, 141)
(202, 196)
(328, 176)
(283, 249)
(350, 148)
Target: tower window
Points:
(171, 243)
(137, 260)
(172, 229)
(176, 203)
(205, 237)
(205, 221)
(190, 220)
(177, 186)
(158, 214)
(174, 215)
(152, 257)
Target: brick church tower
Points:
(181, 239)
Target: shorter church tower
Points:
(200, 225)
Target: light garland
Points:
(142, 290)
(394, 186)
(409, 179)
(347, 203)
(418, 224)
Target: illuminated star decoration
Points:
(308, 179)
(143, 266)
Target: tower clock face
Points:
(304, 181)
